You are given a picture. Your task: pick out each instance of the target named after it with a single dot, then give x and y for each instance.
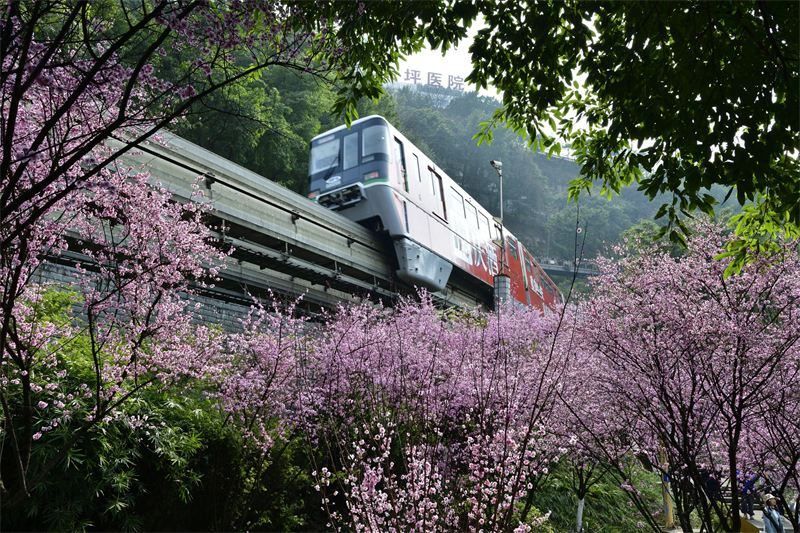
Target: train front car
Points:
(359, 171)
(372, 174)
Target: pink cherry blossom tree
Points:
(73, 75)
(694, 357)
(596, 434)
(772, 448)
(429, 423)
(417, 422)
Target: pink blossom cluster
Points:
(143, 254)
(429, 423)
(259, 385)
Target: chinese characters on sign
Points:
(434, 79)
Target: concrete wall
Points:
(224, 309)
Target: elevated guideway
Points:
(562, 268)
(282, 242)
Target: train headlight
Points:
(371, 175)
(313, 194)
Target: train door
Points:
(497, 239)
(457, 220)
(473, 226)
(488, 249)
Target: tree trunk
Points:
(669, 512)
(683, 501)
(579, 516)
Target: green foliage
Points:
(759, 229)
(56, 305)
(607, 508)
(167, 460)
(645, 233)
(546, 527)
(264, 123)
(675, 98)
(279, 494)
(151, 467)
(580, 288)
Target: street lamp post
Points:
(498, 167)
(502, 283)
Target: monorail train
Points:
(372, 174)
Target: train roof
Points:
(344, 126)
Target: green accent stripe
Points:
(376, 180)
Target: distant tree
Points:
(264, 122)
(385, 106)
(676, 97)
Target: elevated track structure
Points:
(283, 244)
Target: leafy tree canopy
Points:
(676, 97)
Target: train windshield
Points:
(374, 140)
(325, 154)
(340, 150)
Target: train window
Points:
(529, 265)
(325, 154)
(374, 140)
(350, 152)
(414, 170)
(456, 203)
(438, 191)
(483, 226)
(472, 215)
(400, 160)
(512, 247)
